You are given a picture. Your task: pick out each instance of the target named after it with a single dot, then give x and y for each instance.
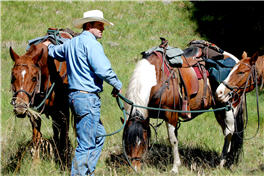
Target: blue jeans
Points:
(86, 108)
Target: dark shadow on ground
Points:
(233, 26)
(24, 152)
(160, 156)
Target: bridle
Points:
(251, 76)
(30, 95)
(136, 118)
(234, 89)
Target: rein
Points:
(227, 107)
(234, 89)
(253, 73)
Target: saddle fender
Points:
(190, 80)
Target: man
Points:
(87, 67)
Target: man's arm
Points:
(102, 68)
(55, 51)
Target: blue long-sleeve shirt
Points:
(87, 65)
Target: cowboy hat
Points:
(89, 16)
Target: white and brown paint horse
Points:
(242, 78)
(146, 88)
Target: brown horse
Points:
(242, 78)
(150, 86)
(40, 83)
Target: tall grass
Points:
(138, 26)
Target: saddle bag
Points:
(219, 69)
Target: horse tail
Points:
(140, 84)
(238, 136)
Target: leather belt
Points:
(86, 92)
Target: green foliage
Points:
(138, 26)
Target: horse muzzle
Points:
(20, 110)
(223, 94)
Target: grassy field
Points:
(138, 26)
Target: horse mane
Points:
(32, 50)
(140, 84)
(35, 51)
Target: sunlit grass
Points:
(138, 26)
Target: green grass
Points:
(138, 26)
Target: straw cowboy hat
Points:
(89, 16)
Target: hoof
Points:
(43, 148)
(222, 163)
(174, 170)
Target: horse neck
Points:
(139, 88)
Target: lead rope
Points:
(253, 72)
(53, 32)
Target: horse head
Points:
(136, 138)
(240, 79)
(26, 78)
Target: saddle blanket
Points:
(198, 72)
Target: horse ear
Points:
(13, 55)
(254, 58)
(244, 55)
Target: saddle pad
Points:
(198, 72)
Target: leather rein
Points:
(234, 89)
(252, 75)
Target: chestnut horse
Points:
(149, 86)
(242, 78)
(39, 85)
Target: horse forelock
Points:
(134, 132)
(139, 88)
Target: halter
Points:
(35, 91)
(235, 89)
(138, 118)
(253, 74)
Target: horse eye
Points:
(34, 79)
(240, 73)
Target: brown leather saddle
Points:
(192, 57)
(189, 83)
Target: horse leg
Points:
(64, 139)
(174, 142)
(228, 128)
(55, 127)
(60, 135)
(36, 137)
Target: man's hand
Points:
(47, 42)
(115, 92)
